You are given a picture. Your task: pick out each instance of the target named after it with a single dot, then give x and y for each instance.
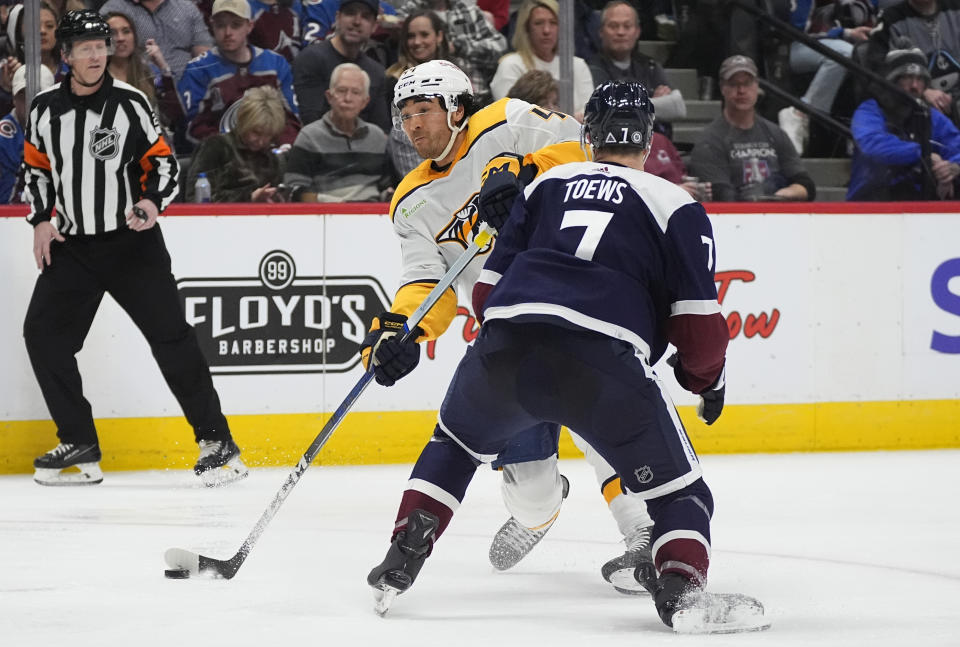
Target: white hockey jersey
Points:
(434, 213)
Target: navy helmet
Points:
(76, 26)
(619, 113)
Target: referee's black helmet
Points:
(76, 26)
(619, 113)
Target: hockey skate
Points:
(219, 463)
(399, 569)
(50, 468)
(633, 573)
(514, 541)
(689, 609)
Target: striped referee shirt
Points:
(93, 157)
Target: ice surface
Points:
(843, 549)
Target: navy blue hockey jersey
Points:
(614, 250)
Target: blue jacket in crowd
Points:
(884, 159)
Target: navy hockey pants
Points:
(518, 375)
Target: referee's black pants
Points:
(134, 268)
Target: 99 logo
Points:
(277, 269)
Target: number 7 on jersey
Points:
(595, 222)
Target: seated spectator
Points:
(620, 60)
(219, 77)
(475, 46)
(829, 74)
(888, 161)
(129, 64)
(340, 157)
(277, 24)
(535, 42)
(11, 135)
(422, 37)
(356, 20)
(49, 48)
(586, 27)
(933, 26)
(536, 87)
(241, 165)
(320, 16)
(176, 26)
(742, 155)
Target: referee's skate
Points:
(219, 463)
(53, 468)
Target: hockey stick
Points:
(180, 560)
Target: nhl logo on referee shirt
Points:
(644, 474)
(103, 143)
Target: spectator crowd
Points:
(291, 99)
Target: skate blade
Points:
(504, 553)
(233, 471)
(720, 613)
(383, 596)
(624, 582)
(88, 474)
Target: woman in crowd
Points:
(49, 51)
(535, 42)
(421, 38)
(241, 165)
(129, 63)
(474, 45)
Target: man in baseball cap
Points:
(742, 155)
(236, 7)
(356, 20)
(219, 77)
(734, 65)
(11, 134)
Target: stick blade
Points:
(181, 559)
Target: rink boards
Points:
(844, 321)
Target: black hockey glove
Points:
(392, 357)
(497, 196)
(711, 400)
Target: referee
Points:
(95, 158)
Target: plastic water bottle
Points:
(201, 190)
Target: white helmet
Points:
(436, 78)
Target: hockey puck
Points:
(176, 574)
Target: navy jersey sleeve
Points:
(511, 241)
(695, 327)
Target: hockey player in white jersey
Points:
(435, 214)
(598, 268)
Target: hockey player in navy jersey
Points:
(598, 268)
(435, 213)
